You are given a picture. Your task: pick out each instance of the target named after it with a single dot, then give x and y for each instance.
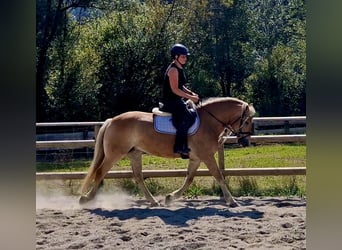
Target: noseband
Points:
(243, 119)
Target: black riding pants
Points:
(182, 119)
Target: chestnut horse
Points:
(132, 133)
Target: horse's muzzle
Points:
(244, 142)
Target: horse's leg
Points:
(136, 160)
(101, 172)
(215, 171)
(192, 167)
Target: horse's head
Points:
(243, 127)
(235, 115)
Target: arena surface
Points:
(120, 221)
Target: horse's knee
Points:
(190, 179)
(138, 179)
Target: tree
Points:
(97, 59)
(277, 31)
(132, 55)
(50, 22)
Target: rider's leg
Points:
(181, 118)
(181, 142)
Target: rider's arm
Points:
(186, 90)
(173, 77)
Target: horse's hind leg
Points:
(101, 172)
(215, 171)
(192, 167)
(136, 160)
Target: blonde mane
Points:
(218, 99)
(210, 100)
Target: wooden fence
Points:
(284, 125)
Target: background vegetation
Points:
(96, 59)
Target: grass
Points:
(275, 155)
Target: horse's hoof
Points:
(83, 199)
(168, 199)
(234, 204)
(155, 204)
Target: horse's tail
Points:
(98, 157)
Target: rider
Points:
(174, 96)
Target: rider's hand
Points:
(195, 98)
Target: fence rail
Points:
(72, 144)
(260, 126)
(176, 173)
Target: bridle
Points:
(243, 121)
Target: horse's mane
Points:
(219, 99)
(210, 100)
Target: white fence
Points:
(266, 129)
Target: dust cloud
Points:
(61, 199)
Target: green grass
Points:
(275, 155)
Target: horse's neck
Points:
(223, 113)
(212, 118)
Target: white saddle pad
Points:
(163, 124)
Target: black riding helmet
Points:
(179, 49)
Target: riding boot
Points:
(181, 145)
(185, 144)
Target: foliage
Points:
(97, 59)
(194, 191)
(131, 61)
(277, 85)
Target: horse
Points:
(131, 134)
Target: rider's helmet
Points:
(179, 49)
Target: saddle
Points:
(162, 122)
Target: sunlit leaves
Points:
(110, 56)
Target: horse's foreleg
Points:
(215, 171)
(192, 167)
(136, 161)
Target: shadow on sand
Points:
(177, 216)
